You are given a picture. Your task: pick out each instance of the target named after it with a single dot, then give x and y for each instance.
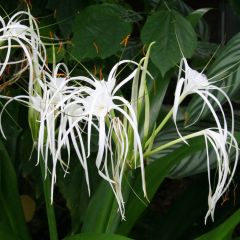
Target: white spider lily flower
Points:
(70, 129)
(194, 82)
(221, 146)
(57, 120)
(220, 138)
(99, 105)
(49, 103)
(22, 29)
(50, 108)
(56, 96)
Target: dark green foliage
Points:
(99, 33)
(173, 34)
(95, 35)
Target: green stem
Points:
(162, 124)
(49, 207)
(169, 144)
(159, 128)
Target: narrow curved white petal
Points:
(221, 147)
(219, 138)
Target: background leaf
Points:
(164, 217)
(157, 93)
(196, 15)
(99, 210)
(191, 164)
(155, 172)
(76, 201)
(65, 13)
(167, 28)
(224, 231)
(6, 231)
(94, 236)
(9, 196)
(94, 33)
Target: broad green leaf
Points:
(224, 231)
(155, 172)
(168, 223)
(96, 236)
(227, 60)
(76, 200)
(98, 32)
(99, 209)
(235, 6)
(9, 196)
(65, 13)
(195, 16)
(190, 165)
(5, 230)
(172, 33)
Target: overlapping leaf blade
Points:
(225, 230)
(173, 34)
(94, 236)
(9, 196)
(156, 172)
(94, 33)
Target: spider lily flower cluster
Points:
(67, 107)
(80, 108)
(63, 110)
(220, 138)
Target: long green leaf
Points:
(156, 172)
(9, 196)
(76, 201)
(99, 209)
(5, 230)
(224, 231)
(168, 224)
(96, 236)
